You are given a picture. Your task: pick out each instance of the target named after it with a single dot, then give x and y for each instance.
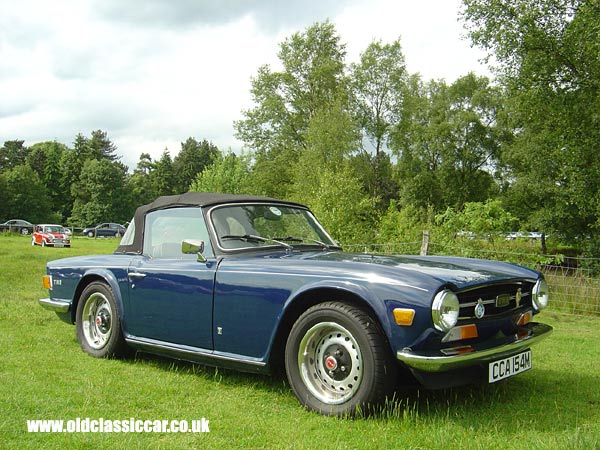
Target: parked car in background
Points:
(254, 283)
(50, 235)
(17, 226)
(105, 230)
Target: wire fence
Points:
(574, 287)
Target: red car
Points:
(52, 235)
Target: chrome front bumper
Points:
(491, 350)
(58, 306)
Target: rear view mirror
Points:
(191, 247)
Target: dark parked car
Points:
(105, 230)
(254, 283)
(17, 226)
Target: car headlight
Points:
(444, 310)
(541, 294)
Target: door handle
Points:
(134, 275)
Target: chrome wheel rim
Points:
(97, 320)
(330, 363)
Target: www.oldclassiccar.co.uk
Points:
(131, 425)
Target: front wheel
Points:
(338, 361)
(98, 324)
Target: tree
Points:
(12, 154)
(377, 85)
(45, 158)
(275, 129)
(99, 146)
(26, 195)
(100, 194)
(547, 57)
(227, 174)
(448, 142)
(142, 184)
(163, 177)
(193, 158)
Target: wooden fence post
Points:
(425, 243)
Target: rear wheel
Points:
(337, 360)
(98, 324)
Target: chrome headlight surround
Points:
(444, 310)
(540, 294)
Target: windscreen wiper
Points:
(296, 239)
(253, 238)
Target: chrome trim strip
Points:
(61, 306)
(435, 361)
(196, 352)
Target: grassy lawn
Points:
(44, 375)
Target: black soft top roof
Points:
(187, 199)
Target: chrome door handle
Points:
(134, 275)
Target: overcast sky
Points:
(152, 73)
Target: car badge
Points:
(479, 309)
(518, 296)
(502, 300)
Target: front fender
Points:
(113, 280)
(343, 288)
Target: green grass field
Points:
(44, 375)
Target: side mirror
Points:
(191, 247)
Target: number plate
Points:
(59, 244)
(507, 367)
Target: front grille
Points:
(493, 300)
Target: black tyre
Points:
(338, 361)
(91, 234)
(98, 324)
(24, 231)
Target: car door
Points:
(103, 230)
(171, 294)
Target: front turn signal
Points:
(404, 316)
(47, 281)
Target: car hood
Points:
(461, 273)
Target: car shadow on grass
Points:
(542, 400)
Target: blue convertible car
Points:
(254, 283)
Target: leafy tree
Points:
(275, 129)
(227, 174)
(100, 194)
(45, 158)
(142, 184)
(12, 154)
(341, 205)
(26, 195)
(546, 54)
(378, 83)
(99, 146)
(163, 176)
(488, 219)
(193, 158)
(448, 142)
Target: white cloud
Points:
(153, 73)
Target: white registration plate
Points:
(507, 367)
(59, 244)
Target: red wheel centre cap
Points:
(331, 363)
